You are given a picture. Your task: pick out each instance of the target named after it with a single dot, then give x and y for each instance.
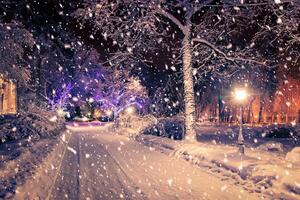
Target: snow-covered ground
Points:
(92, 161)
(254, 136)
(96, 163)
(25, 140)
(18, 160)
(265, 168)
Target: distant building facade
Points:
(8, 96)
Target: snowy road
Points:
(100, 165)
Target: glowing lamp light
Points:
(91, 100)
(240, 94)
(97, 113)
(60, 112)
(109, 113)
(130, 110)
(75, 99)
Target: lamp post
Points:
(241, 95)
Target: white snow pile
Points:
(258, 170)
(45, 171)
(271, 146)
(18, 160)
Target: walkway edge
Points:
(46, 174)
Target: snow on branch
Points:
(232, 59)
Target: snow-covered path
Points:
(88, 171)
(100, 165)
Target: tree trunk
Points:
(250, 111)
(220, 109)
(260, 114)
(189, 98)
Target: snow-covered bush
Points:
(271, 146)
(172, 127)
(38, 123)
(132, 124)
(27, 126)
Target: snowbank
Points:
(261, 171)
(45, 173)
(18, 161)
(271, 147)
(171, 127)
(25, 140)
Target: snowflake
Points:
(129, 49)
(277, 1)
(279, 20)
(173, 68)
(72, 150)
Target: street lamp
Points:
(240, 94)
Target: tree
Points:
(167, 100)
(15, 42)
(137, 28)
(37, 49)
(103, 88)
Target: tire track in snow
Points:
(50, 191)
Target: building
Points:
(8, 96)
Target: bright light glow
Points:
(60, 112)
(109, 113)
(75, 99)
(90, 100)
(53, 119)
(130, 110)
(97, 113)
(68, 114)
(240, 94)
